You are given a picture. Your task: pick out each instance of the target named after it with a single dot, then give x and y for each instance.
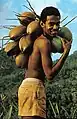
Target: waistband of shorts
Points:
(33, 80)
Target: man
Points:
(32, 97)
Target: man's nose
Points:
(55, 26)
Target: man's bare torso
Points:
(35, 69)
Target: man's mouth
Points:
(54, 33)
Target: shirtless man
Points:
(31, 94)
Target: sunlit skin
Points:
(40, 61)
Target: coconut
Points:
(57, 45)
(25, 42)
(26, 17)
(21, 60)
(64, 32)
(34, 28)
(17, 32)
(12, 48)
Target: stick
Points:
(7, 27)
(4, 38)
(12, 25)
(28, 8)
(16, 13)
(6, 42)
(32, 9)
(70, 21)
(11, 19)
(24, 16)
(64, 19)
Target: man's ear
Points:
(42, 24)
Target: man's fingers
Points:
(65, 41)
(70, 41)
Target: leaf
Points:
(53, 109)
(8, 115)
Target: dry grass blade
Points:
(73, 114)
(8, 114)
(1, 115)
(57, 108)
(65, 111)
(53, 109)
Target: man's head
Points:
(50, 20)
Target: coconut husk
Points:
(17, 32)
(25, 43)
(21, 60)
(64, 32)
(56, 45)
(12, 48)
(26, 17)
(34, 28)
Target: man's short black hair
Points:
(49, 11)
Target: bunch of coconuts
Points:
(24, 35)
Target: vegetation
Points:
(61, 93)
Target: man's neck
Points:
(48, 36)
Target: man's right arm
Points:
(45, 51)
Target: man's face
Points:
(51, 25)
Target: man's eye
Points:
(51, 24)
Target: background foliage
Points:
(61, 92)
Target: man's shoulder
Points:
(42, 41)
(42, 38)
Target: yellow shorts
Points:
(32, 98)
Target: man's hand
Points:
(66, 45)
